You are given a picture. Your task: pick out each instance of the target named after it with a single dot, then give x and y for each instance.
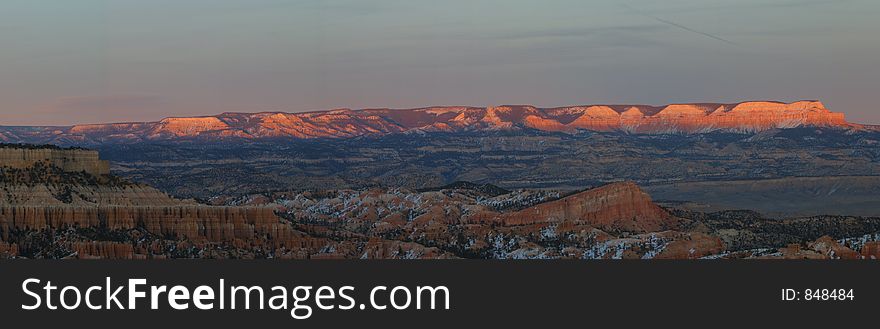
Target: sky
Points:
(92, 61)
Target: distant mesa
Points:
(745, 117)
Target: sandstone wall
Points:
(745, 117)
(619, 206)
(239, 225)
(83, 195)
(67, 160)
(207, 228)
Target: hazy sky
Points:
(84, 61)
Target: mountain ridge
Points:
(683, 118)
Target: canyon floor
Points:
(778, 197)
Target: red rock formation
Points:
(188, 126)
(47, 195)
(827, 246)
(69, 160)
(51, 216)
(618, 206)
(871, 250)
(676, 118)
(794, 251)
(105, 249)
(245, 228)
(8, 250)
(692, 246)
(198, 223)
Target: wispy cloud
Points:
(579, 32)
(756, 5)
(679, 25)
(539, 33)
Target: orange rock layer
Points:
(826, 247)
(743, 117)
(237, 225)
(73, 160)
(618, 206)
(201, 227)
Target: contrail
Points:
(679, 25)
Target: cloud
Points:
(755, 5)
(671, 23)
(580, 32)
(540, 33)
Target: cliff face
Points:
(241, 226)
(53, 199)
(619, 206)
(183, 231)
(84, 195)
(746, 117)
(68, 160)
(40, 177)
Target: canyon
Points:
(744, 117)
(49, 212)
(784, 172)
(615, 221)
(661, 148)
(743, 180)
